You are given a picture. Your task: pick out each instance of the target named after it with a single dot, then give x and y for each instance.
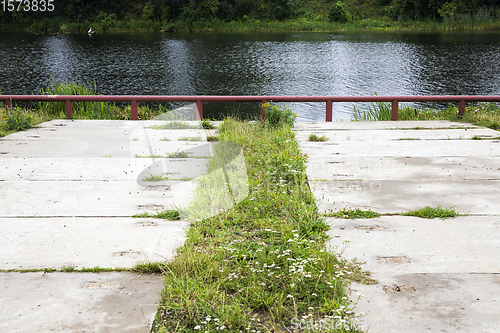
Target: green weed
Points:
(70, 268)
(177, 154)
(150, 268)
(168, 214)
(431, 213)
(18, 120)
(315, 138)
(347, 213)
(278, 115)
(189, 138)
(155, 178)
(212, 138)
(175, 125)
(97, 269)
(207, 124)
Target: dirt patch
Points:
(103, 285)
(126, 253)
(158, 187)
(146, 224)
(394, 260)
(370, 227)
(398, 289)
(151, 207)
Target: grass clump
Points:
(150, 268)
(432, 213)
(189, 138)
(278, 114)
(155, 178)
(177, 154)
(212, 138)
(348, 213)
(315, 138)
(16, 119)
(166, 214)
(68, 269)
(260, 264)
(207, 124)
(175, 125)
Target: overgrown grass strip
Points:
(263, 265)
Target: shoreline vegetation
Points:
(71, 16)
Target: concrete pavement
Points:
(68, 190)
(434, 275)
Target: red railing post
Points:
(394, 113)
(262, 111)
(134, 115)
(7, 104)
(199, 110)
(461, 109)
(329, 111)
(69, 109)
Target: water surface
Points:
(257, 64)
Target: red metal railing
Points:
(329, 100)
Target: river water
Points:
(360, 63)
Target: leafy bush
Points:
(277, 114)
(339, 13)
(18, 120)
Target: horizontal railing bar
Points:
(183, 98)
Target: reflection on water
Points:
(257, 64)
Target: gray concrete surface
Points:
(434, 275)
(68, 190)
(78, 302)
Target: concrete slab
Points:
(87, 242)
(431, 303)
(465, 244)
(378, 125)
(434, 275)
(338, 136)
(67, 191)
(394, 196)
(405, 148)
(78, 302)
(90, 198)
(403, 168)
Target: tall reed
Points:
(82, 110)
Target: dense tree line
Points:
(228, 10)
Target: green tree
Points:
(339, 13)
